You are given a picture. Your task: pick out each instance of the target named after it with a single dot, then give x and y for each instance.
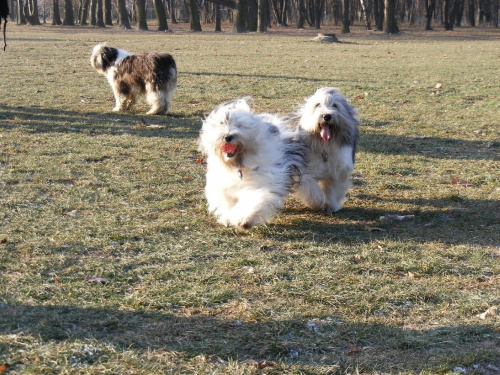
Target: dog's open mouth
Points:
(325, 131)
(229, 149)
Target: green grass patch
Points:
(88, 192)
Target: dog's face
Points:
(328, 114)
(104, 57)
(229, 131)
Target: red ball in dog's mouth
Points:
(228, 148)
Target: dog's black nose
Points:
(228, 138)
(327, 117)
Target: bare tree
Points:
(123, 15)
(345, 17)
(69, 19)
(366, 16)
(161, 15)
(390, 24)
(263, 5)
(56, 18)
(194, 16)
(100, 14)
(84, 9)
(429, 7)
(108, 19)
(240, 15)
(142, 23)
(21, 19)
(31, 12)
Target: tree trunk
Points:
(345, 17)
(301, 19)
(429, 6)
(84, 12)
(123, 15)
(390, 24)
(472, 13)
(69, 18)
(448, 14)
(366, 16)
(142, 24)
(21, 20)
(108, 18)
(218, 27)
(100, 14)
(252, 17)
(93, 10)
(56, 17)
(240, 15)
(31, 12)
(262, 18)
(378, 14)
(171, 4)
(459, 12)
(194, 16)
(318, 13)
(161, 16)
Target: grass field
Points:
(109, 262)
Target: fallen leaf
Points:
(439, 86)
(72, 213)
(492, 311)
(354, 351)
(264, 364)
(199, 161)
(358, 258)
(457, 181)
(97, 279)
(186, 178)
(396, 277)
(56, 281)
(3, 240)
(359, 97)
(3, 367)
(414, 275)
(110, 100)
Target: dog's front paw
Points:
(331, 209)
(117, 109)
(224, 221)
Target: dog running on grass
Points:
(327, 125)
(129, 75)
(253, 163)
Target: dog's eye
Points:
(334, 105)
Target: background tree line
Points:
(258, 15)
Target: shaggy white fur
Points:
(252, 164)
(328, 126)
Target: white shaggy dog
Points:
(129, 75)
(252, 165)
(328, 126)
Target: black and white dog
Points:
(153, 74)
(327, 125)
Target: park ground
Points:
(109, 262)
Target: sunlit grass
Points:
(87, 192)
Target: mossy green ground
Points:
(88, 192)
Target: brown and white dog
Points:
(129, 75)
(328, 126)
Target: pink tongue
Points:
(325, 133)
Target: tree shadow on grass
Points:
(39, 120)
(454, 220)
(372, 347)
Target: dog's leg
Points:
(335, 191)
(121, 97)
(219, 203)
(255, 207)
(310, 193)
